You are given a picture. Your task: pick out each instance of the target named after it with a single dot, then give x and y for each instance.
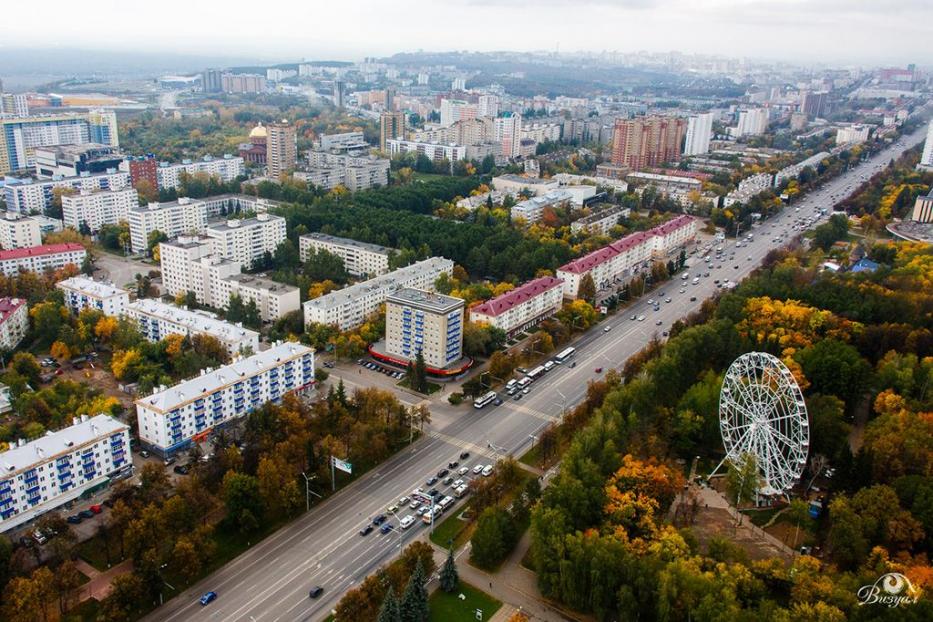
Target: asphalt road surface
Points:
(271, 580)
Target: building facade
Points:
(923, 208)
(157, 320)
(98, 208)
(14, 322)
(18, 231)
(507, 131)
(227, 168)
(31, 195)
(246, 241)
(647, 141)
(82, 293)
(531, 210)
(391, 127)
(351, 306)
(20, 136)
(281, 149)
(419, 321)
(41, 258)
(52, 470)
(434, 152)
(523, 307)
(601, 221)
(182, 217)
(171, 416)
(699, 131)
(359, 258)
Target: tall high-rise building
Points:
(20, 136)
(508, 133)
(647, 141)
(391, 125)
(699, 129)
(453, 110)
(488, 106)
(212, 81)
(281, 148)
(813, 103)
(339, 87)
(102, 127)
(752, 122)
(390, 100)
(926, 160)
(458, 84)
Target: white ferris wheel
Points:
(762, 413)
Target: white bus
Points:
(489, 398)
(566, 354)
(536, 373)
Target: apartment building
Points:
(281, 148)
(618, 262)
(29, 196)
(391, 127)
(182, 217)
(245, 241)
(329, 170)
(272, 299)
(359, 258)
(44, 474)
(507, 131)
(515, 184)
(749, 187)
(852, 134)
(789, 172)
(453, 110)
(433, 151)
(14, 322)
(20, 136)
(19, 231)
(157, 320)
(600, 221)
(351, 306)
(425, 322)
(171, 416)
(523, 307)
(82, 293)
(699, 131)
(531, 210)
(227, 168)
(41, 258)
(98, 208)
(647, 141)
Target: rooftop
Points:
(500, 304)
(37, 251)
(196, 321)
(97, 289)
(45, 448)
(529, 181)
(332, 239)
(429, 301)
(8, 306)
(243, 223)
(259, 282)
(212, 380)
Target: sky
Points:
(807, 31)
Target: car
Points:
(658, 323)
(664, 334)
(716, 281)
(433, 492)
(407, 522)
(497, 401)
(96, 508)
(651, 301)
(463, 471)
(598, 370)
(315, 591)
(379, 520)
(735, 267)
(431, 481)
(74, 519)
(693, 298)
(749, 258)
(458, 483)
(487, 470)
(182, 469)
(403, 501)
(442, 473)
(641, 318)
(517, 397)
(573, 364)
(453, 464)
(607, 329)
(386, 528)
(634, 317)
(477, 469)
(208, 598)
(682, 290)
(144, 454)
(464, 455)
(392, 509)
(365, 531)
(448, 481)
(329, 364)
(667, 300)
(414, 505)
(86, 514)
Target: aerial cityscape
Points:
(467, 310)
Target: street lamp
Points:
(308, 491)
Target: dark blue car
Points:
(208, 598)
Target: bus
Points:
(563, 356)
(489, 398)
(536, 373)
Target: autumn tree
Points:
(587, 289)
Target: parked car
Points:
(403, 501)
(208, 598)
(96, 508)
(431, 481)
(464, 455)
(86, 514)
(365, 531)
(74, 519)
(453, 464)
(463, 471)
(477, 469)
(386, 528)
(379, 520)
(442, 473)
(487, 470)
(182, 469)
(598, 370)
(143, 454)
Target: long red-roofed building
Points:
(621, 260)
(41, 258)
(521, 308)
(14, 322)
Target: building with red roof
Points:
(621, 260)
(14, 322)
(523, 307)
(41, 258)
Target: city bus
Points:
(536, 373)
(484, 400)
(563, 356)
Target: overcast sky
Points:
(858, 31)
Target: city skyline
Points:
(791, 30)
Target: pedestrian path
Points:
(99, 585)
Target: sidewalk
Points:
(99, 585)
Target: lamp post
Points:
(308, 491)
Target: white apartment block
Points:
(245, 241)
(227, 168)
(453, 110)
(752, 122)
(99, 208)
(157, 320)
(14, 322)
(329, 170)
(171, 416)
(523, 307)
(542, 132)
(425, 322)
(793, 170)
(618, 262)
(749, 187)
(507, 131)
(359, 258)
(190, 264)
(531, 210)
(59, 467)
(18, 231)
(600, 222)
(351, 306)
(852, 134)
(699, 131)
(342, 141)
(514, 184)
(569, 179)
(82, 293)
(182, 217)
(488, 106)
(35, 196)
(41, 258)
(433, 151)
(926, 158)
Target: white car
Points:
(487, 470)
(463, 471)
(457, 484)
(607, 329)
(641, 318)
(407, 522)
(414, 505)
(477, 469)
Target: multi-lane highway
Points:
(271, 581)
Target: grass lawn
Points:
(85, 611)
(532, 457)
(452, 528)
(433, 387)
(92, 551)
(449, 608)
(761, 517)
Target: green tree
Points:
(449, 578)
(587, 289)
(414, 606)
(421, 379)
(835, 368)
(742, 479)
(798, 512)
(243, 500)
(389, 612)
(493, 538)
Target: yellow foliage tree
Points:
(173, 344)
(122, 361)
(60, 350)
(105, 327)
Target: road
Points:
(271, 581)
